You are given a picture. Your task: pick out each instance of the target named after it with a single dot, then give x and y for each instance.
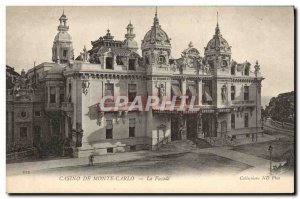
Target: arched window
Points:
(233, 70)
(147, 60)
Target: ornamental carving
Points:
(85, 86)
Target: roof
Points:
(115, 50)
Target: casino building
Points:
(53, 108)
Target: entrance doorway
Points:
(191, 127)
(37, 136)
(207, 126)
(175, 127)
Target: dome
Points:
(63, 36)
(131, 43)
(217, 44)
(156, 35)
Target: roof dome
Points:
(156, 36)
(217, 44)
(63, 36)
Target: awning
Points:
(207, 94)
(192, 90)
(176, 90)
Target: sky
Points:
(265, 34)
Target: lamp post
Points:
(257, 68)
(270, 150)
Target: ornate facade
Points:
(58, 103)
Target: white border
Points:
(102, 2)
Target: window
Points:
(162, 59)
(247, 135)
(234, 137)
(176, 91)
(131, 92)
(23, 132)
(224, 63)
(233, 70)
(37, 113)
(132, 127)
(133, 148)
(190, 92)
(52, 95)
(131, 64)
(246, 120)
(109, 63)
(109, 129)
(207, 93)
(246, 92)
(147, 60)
(233, 121)
(247, 70)
(65, 53)
(109, 89)
(232, 92)
(23, 114)
(110, 150)
(61, 94)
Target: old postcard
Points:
(150, 99)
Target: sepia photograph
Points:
(150, 99)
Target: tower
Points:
(156, 46)
(62, 50)
(217, 52)
(130, 43)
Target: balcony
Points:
(243, 103)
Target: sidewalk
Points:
(18, 168)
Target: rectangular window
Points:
(131, 64)
(110, 150)
(232, 92)
(176, 91)
(190, 92)
(52, 95)
(65, 53)
(23, 132)
(37, 113)
(246, 120)
(233, 121)
(109, 63)
(131, 92)
(207, 93)
(109, 89)
(132, 127)
(246, 92)
(109, 129)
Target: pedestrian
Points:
(91, 160)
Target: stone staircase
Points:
(178, 146)
(202, 143)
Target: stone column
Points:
(57, 95)
(200, 92)
(216, 123)
(199, 126)
(48, 95)
(183, 86)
